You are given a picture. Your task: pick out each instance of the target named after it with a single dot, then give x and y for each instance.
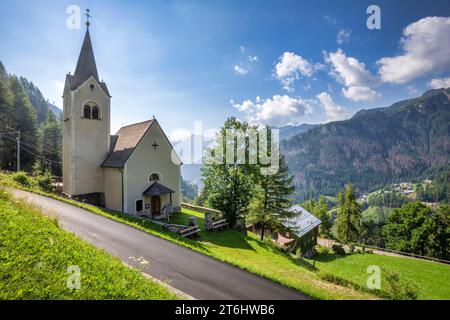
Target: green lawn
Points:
(267, 260)
(35, 254)
(431, 278)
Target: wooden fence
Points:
(201, 209)
(328, 243)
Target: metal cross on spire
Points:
(87, 14)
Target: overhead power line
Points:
(20, 146)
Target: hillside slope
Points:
(408, 140)
(38, 260)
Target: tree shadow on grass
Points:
(328, 257)
(305, 264)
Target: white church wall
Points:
(89, 140)
(113, 188)
(144, 161)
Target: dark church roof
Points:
(86, 66)
(157, 189)
(124, 142)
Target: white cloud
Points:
(348, 70)
(333, 111)
(412, 90)
(354, 75)
(360, 93)
(332, 20)
(210, 134)
(245, 66)
(278, 110)
(426, 51)
(290, 67)
(438, 83)
(240, 70)
(59, 85)
(343, 36)
(179, 135)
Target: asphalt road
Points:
(191, 272)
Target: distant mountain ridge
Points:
(38, 101)
(408, 140)
(290, 131)
(56, 111)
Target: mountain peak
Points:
(433, 92)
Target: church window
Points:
(154, 177)
(87, 111)
(95, 113)
(139, 205)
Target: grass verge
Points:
(35, 255)
(432, 279)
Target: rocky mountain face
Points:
(407, 141)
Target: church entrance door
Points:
(156, 205)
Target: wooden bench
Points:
(189, 231)
(218, 225)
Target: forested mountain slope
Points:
(408, 140)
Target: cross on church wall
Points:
(155, 145)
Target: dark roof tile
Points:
(126, 140)
(157, 189)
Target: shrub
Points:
(337, 249)
(398, 289)
(324, 250)
(21, 178)
(44, 182)
(37, 169)
(4, 195)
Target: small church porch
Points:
(158, 201)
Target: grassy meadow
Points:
(432, 279)
(35, 255)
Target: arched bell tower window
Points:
(92, 111)
(95, 113)
(154, 177)
(87, 111)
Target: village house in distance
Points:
(135, 171)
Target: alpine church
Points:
(136, 171)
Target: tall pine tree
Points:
(272, 200)
(349, 215)
(51, 144)
(6, 103)
(24, 120)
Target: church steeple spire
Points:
(86, 65)
(87, 18)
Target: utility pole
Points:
(18, 151)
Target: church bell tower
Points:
(86, 127)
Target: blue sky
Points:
(186, 61)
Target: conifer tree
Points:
(272, 200)
(51, 144)
(349, 215)
(23, 120)
(6, 102)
